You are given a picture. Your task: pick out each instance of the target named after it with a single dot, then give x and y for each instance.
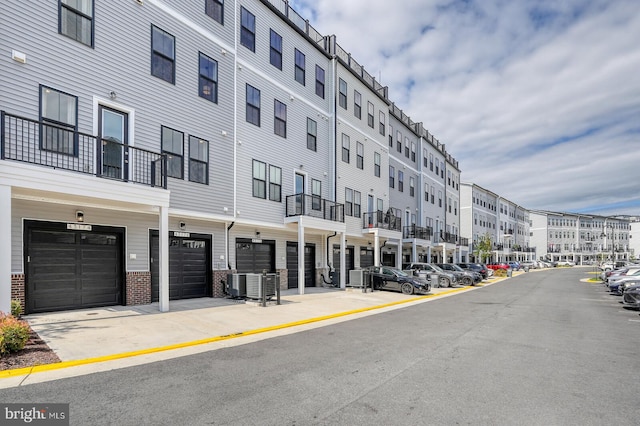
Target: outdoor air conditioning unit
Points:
(255, 285)
(237, 285)
(356, 278)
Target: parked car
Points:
(565, 263)
(529, 264)
(387, 278)
(445, 279)
(514, 265)
(631, 296)
(496, 266)
(463, 277)
(476, 267)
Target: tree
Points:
(483, 248)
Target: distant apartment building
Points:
(580, 238)
(506, 224)
(150, 149)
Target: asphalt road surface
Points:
(542, 348)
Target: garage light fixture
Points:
(79, 216)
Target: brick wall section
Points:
(217, 286)
(17, 288)
(138, 290)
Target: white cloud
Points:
(538, 101)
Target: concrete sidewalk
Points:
(92, 340)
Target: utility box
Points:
(356, 278)
(237, 285)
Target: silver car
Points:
(445, 279)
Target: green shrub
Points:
(14, 334)
(16, 308)
(500, 272)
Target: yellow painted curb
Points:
(75, 363)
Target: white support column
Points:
(429, 254)
(5, 249)
(300, 258)
(164, 259)
(343, 260)
(399, 255)
(414, 252)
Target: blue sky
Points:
(539, 101)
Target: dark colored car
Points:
(463, 277)
(475, 267)
(387, 278)
(631, 296)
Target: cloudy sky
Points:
(539, 101)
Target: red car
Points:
(496, 266)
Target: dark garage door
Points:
(254, 257)
(72, 266)
(350, 265)
(309, 265)
(189, 266)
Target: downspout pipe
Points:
(328, 264)
(227, 254)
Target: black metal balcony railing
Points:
(498, 246)
(314, 206)
(34, 142)
(385, 220)
(462, 241)
(413, 231)
(445, 237)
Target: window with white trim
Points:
(275, 183)
(360, 155)
(320, 81)
(312, 134)
(59, 121)
(198, 160)
(346, 148)
(376, 164)
(342, 93)
(357, 104)
(370, 112)
(259, 179)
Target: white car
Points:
(565, 263)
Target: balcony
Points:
(390, 220)
(463, 242)
(314, 206)
(418, 232)
(33, 142)
(446, 237)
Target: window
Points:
(253, 105)
(370, 111)
(437, 166)
(316, 194)
(357, 203)
(433, 197)
(275, 183)
(357, 104)
(381, 128)
(342, 97)
(376, 164)
(173, 146)
(276, 50)
(360, 155)
(320, 81)
(300, 67)
(406, 146)
(413, 151)
(412, 187)
(346, 146)
(390, 135)
(198, 160)
(163, 55)
(312, 134)
(431, 162)
(400, 181)
(399, 141)
(59, 118)
(215, 9)
(280, 119)
(348, 202)
(439, 198)
(76, 20)
(426, 192)
(208, 84)
(259, 179)
(392, 177)
(247, 29)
